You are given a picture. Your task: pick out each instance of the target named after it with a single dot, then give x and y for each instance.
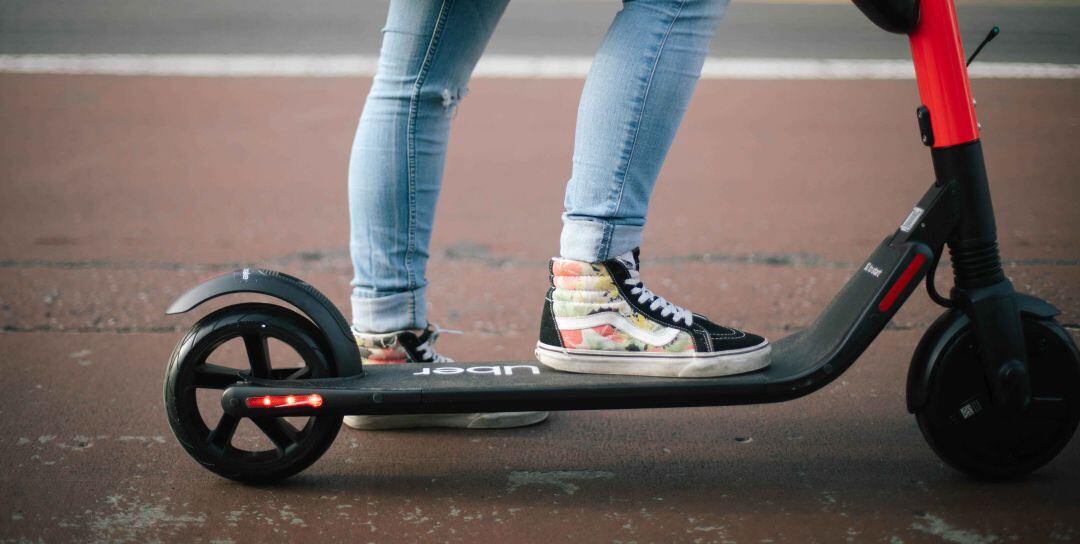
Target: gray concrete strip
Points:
(1032, 31)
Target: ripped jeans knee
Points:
(451, 98)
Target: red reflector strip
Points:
(905, 278)
(284, 401)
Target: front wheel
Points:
(224, 348)
(972, 435)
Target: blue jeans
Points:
(634, 98)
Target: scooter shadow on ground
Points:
(759, 482)
(817, 467)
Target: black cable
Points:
(931, 289)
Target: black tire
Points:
(188, 371)
(972, 435)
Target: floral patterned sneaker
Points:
(409, 347)
(599, 318)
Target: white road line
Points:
(491, 66)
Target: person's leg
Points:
(429, 50)
(599, 317)
(635, 96)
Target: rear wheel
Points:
(226, 347)
(972, 435)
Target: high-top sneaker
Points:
(600, 318)
(419, 348)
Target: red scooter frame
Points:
(941, 72)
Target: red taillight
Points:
(901, 283)
(284, 401)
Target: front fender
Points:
(941, 332)
(303, 296)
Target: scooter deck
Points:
(529, 385)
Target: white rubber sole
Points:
(664, 365)
(495, 420)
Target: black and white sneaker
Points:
(600, 318)
(412, 347)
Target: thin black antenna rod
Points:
(993, 34)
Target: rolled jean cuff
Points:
(389, 313)
(593, 241)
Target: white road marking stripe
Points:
(492, 66)
(660, 338)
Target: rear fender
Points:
(333, 326)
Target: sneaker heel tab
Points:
(549, 330)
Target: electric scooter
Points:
(994, 382)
